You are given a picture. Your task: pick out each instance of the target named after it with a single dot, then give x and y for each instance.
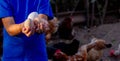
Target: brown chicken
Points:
(96, 53)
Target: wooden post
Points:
(92, 19)
(104, 11)
(87, 12)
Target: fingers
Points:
(28, 28)
(48, 36)
(39, 25)
(29, 34)
(45, 24)
(27, 31)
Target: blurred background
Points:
(89, 17)
(92, 10)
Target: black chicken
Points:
(69, 49)
(65, 29)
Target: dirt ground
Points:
(109, 32)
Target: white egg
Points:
(32, 15)
(30, 18)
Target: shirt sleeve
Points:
(45, 8)
(5, 9)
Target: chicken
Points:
(69, 49)
(65, 29)
(96, 53)
(88, 52)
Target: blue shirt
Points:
(20, 47)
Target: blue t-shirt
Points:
(20, 47)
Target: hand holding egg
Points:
(28, 25)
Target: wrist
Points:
(21, 26)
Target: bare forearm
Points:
(14, 29)
(10, 26)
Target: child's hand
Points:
(28, 27)
(41, 24)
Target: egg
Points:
(29, 21)
(32, 15)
